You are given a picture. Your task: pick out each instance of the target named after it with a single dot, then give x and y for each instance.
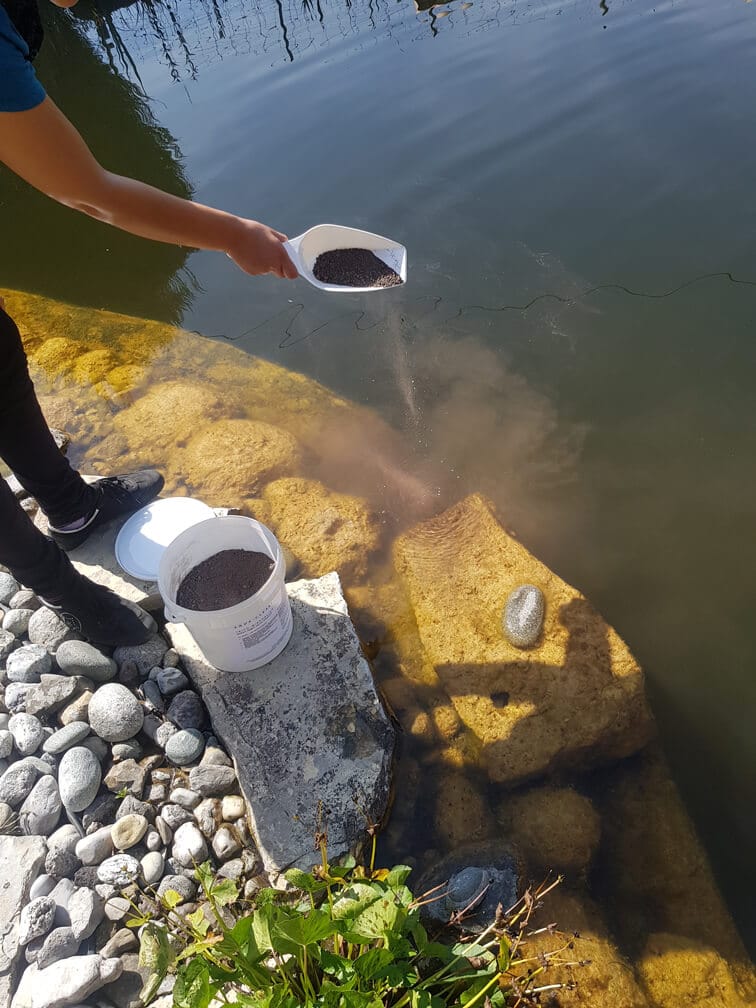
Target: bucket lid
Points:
(142, 540)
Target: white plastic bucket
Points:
(244, 636)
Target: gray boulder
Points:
(28, 663)
(79, 778)
(41, 809)
(67, 982)
(115, 714)
(79, 658)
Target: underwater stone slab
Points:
(310, 740)
(21, 860)
(575, 700)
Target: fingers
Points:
(281, 237)
(289, 270)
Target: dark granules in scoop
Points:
(224, 580)
(354, 267)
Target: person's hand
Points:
(258, 249)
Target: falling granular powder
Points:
(354, 267)
(224, 580)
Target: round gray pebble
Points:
(8, 587)
(185, 747)
(17, 782)
(16, 621)
(27, 732)
(80, 658)
(171, 681)
(127, 750)
(523, 615)
(115, 714)
(41, 810)
(67, 736)
(153, 865)
(79, 777)
(6, 743)
(48, 629)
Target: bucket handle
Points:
(171, 615)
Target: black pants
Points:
(29, 449)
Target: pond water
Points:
(574, 182)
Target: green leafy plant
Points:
(351, 937)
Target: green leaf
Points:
(223, 893)
(337, 966)
(198, 921)
(372, 965)
(306, 930)
(304, 880)
(505, 955)
(137, 922)
(437, 950)
(262, 922)
(155, 955)
(171, 899)
(192, 988)
(204, 875)
(398, 875)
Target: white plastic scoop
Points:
(305, 249)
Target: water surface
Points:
(574, 183)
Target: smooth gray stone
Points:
(86, 910)
(225, 843)
(115, 714)
(145, 656)
(180, 884)
(96, 847)
(27, 733)
(189, 846)
(21, 859)
(171, 681)
(153, 698)
(95, 744)
(185, 747)
(127, 750)
(36, 919)
(48, 629)
(212, 780)
(122, 941)
(79, 777)
(41, 810)
(59, 944)
(214, 756)
(66, 737)
(62, 893)
(17, 782)
(67, 982)
(523, 615)
(16, 621)
(8, 587)
(185, 797)
(64, 838)
(80, 658)
(187, 710)
(43, 885)
(333, 738)
(25, 599)
(233, 808)
(153, 865)
(6, 743)
(120, 870)
(164, 830)
(153, 841)
(28, 663)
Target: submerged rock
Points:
(478, 878)
(523, 615)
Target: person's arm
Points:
(45, 149)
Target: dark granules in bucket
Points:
(224, 580)
(354, 267)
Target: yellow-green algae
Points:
(241, 431)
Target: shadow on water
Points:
(139, 275)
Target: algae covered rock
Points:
(555, 828)
(677, 972)
(576, 699)
(326, 530)
(593, 972)
(233, 459)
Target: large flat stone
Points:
(21, 859)
(311, 743)
(574, 699)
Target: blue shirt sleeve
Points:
(19, 88)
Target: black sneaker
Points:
(116, 496)
(101, 616)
